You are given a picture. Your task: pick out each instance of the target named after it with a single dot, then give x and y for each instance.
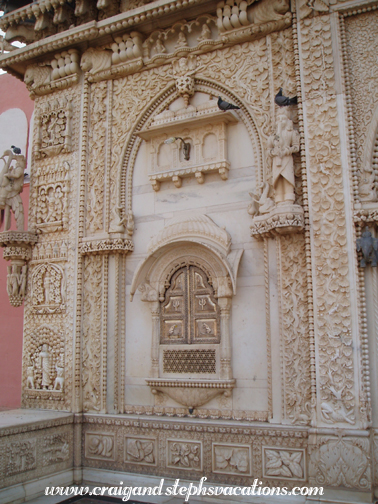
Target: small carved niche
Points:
(203, 127)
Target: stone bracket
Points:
(281, 220)
(17, 248)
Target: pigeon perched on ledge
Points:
(284, 101)
(16, 150)
(223, 105)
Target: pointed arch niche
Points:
(188, 279)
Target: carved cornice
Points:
(36, 425)
(8, 238)
(233, 427)
(106, 246)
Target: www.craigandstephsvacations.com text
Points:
(188, 490)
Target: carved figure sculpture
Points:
(268, 10)
(366, 187)
(11, 185)
(205, 33)
(94, 61)
(59, 380)
(37, 75)
(45, 365)
(369, 248)
(30, 376)
(262, 204)
(283, 143)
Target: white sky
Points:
(17, 44)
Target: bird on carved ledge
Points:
(284, 101)
(16, 150)
(223, 105)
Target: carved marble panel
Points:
(184, 454)
(281, 463)
(340, 461)
(231, 459)
(54, 128)
(140, 450)
(56, 448)
(20, 456)
(48, 288)
(99, 446)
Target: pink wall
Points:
(13, 94)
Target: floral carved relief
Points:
(231, 459)
(361, 33)
(140, 451)
(91, 363)
(96, 158)
(340, 461)
(284, 463)
(100, 446)
(294, 320)
(184, 454)
(330, 258)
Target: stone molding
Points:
(106, 246)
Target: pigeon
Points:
(223, 105)
(16, 150)
(284, 101)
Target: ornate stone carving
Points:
(11, 185)
(99, 446)
(96, 159)
(294, 329)
(285, 216)
(61, 72)
(336, 358)
(360, 33)
(235, 14)
(313, 7)
(56, 448)
(108, 246)
(340, 461)
(91, 363)
(17, 249)
(186, 455)
(20, 456)
(231, 459)
(48, 289)
(124, 57)
(51, 194)
(204, 128)
(159, 270)
(139, 450)
(284, 463)
(54, 129)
